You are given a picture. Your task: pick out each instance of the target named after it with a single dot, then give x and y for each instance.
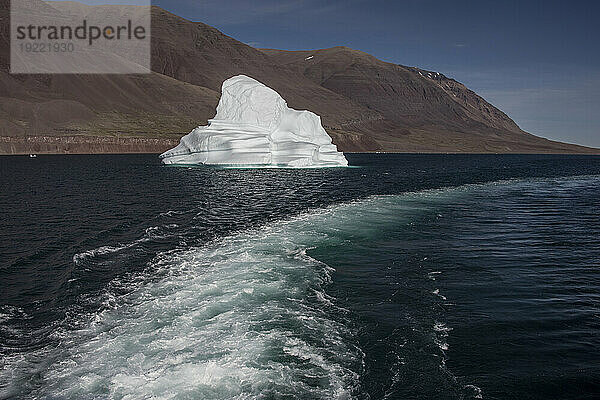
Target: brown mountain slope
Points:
(153, 106)
(36, 108)
(156, 105)
(409, 96)
(365, 104)
(199, 54)
(435, 113)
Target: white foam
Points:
(102, 250)
(474, 391)
(441, 331)
(437, 293)
(150, 233)
(242, 316)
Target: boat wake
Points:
(245, 316)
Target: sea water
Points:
(412, 276)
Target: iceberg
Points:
(254, 126)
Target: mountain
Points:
(423, 110)
(365, 104)
(94, 113)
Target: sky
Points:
(538, 61)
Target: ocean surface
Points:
(405, 277)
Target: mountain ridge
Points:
(366, 104)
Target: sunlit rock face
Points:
(255, 127)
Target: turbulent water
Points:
(407, 277)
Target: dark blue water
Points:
(413, 276)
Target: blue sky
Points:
(539, 61)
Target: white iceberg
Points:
(255, 127)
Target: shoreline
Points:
(345, 152)
(43, 144)
(88, 145)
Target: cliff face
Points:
(365, 104)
